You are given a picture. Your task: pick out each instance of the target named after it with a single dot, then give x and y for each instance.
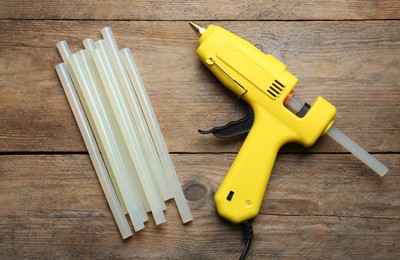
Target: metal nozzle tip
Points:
(197, 29)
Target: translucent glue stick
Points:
(99, 116)
(156, 134)
(125, 121)
(113, 54)
(93, 150)
(127, 159)
(346, 142)
(65, 54)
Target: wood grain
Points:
(202, 10)
(320, 202)
(355, 65)
(52, 206)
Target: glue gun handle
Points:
(240, 195)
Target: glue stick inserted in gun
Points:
(276, 118)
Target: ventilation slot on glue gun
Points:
(275, 89)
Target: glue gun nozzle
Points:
(197, 29)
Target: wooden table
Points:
(320, 202)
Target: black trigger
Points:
(234, 128)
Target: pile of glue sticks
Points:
(121, 133)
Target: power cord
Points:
(249, 235)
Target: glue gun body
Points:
(263, 82)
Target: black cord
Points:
(249, 235)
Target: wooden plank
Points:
(202, 10)
(52, 206)
(317, 184)
(355, 65)
(208, 238)
(300, 185)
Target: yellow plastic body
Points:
(267, 82)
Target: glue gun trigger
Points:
(234, 128)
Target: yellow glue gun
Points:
(263, 82)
